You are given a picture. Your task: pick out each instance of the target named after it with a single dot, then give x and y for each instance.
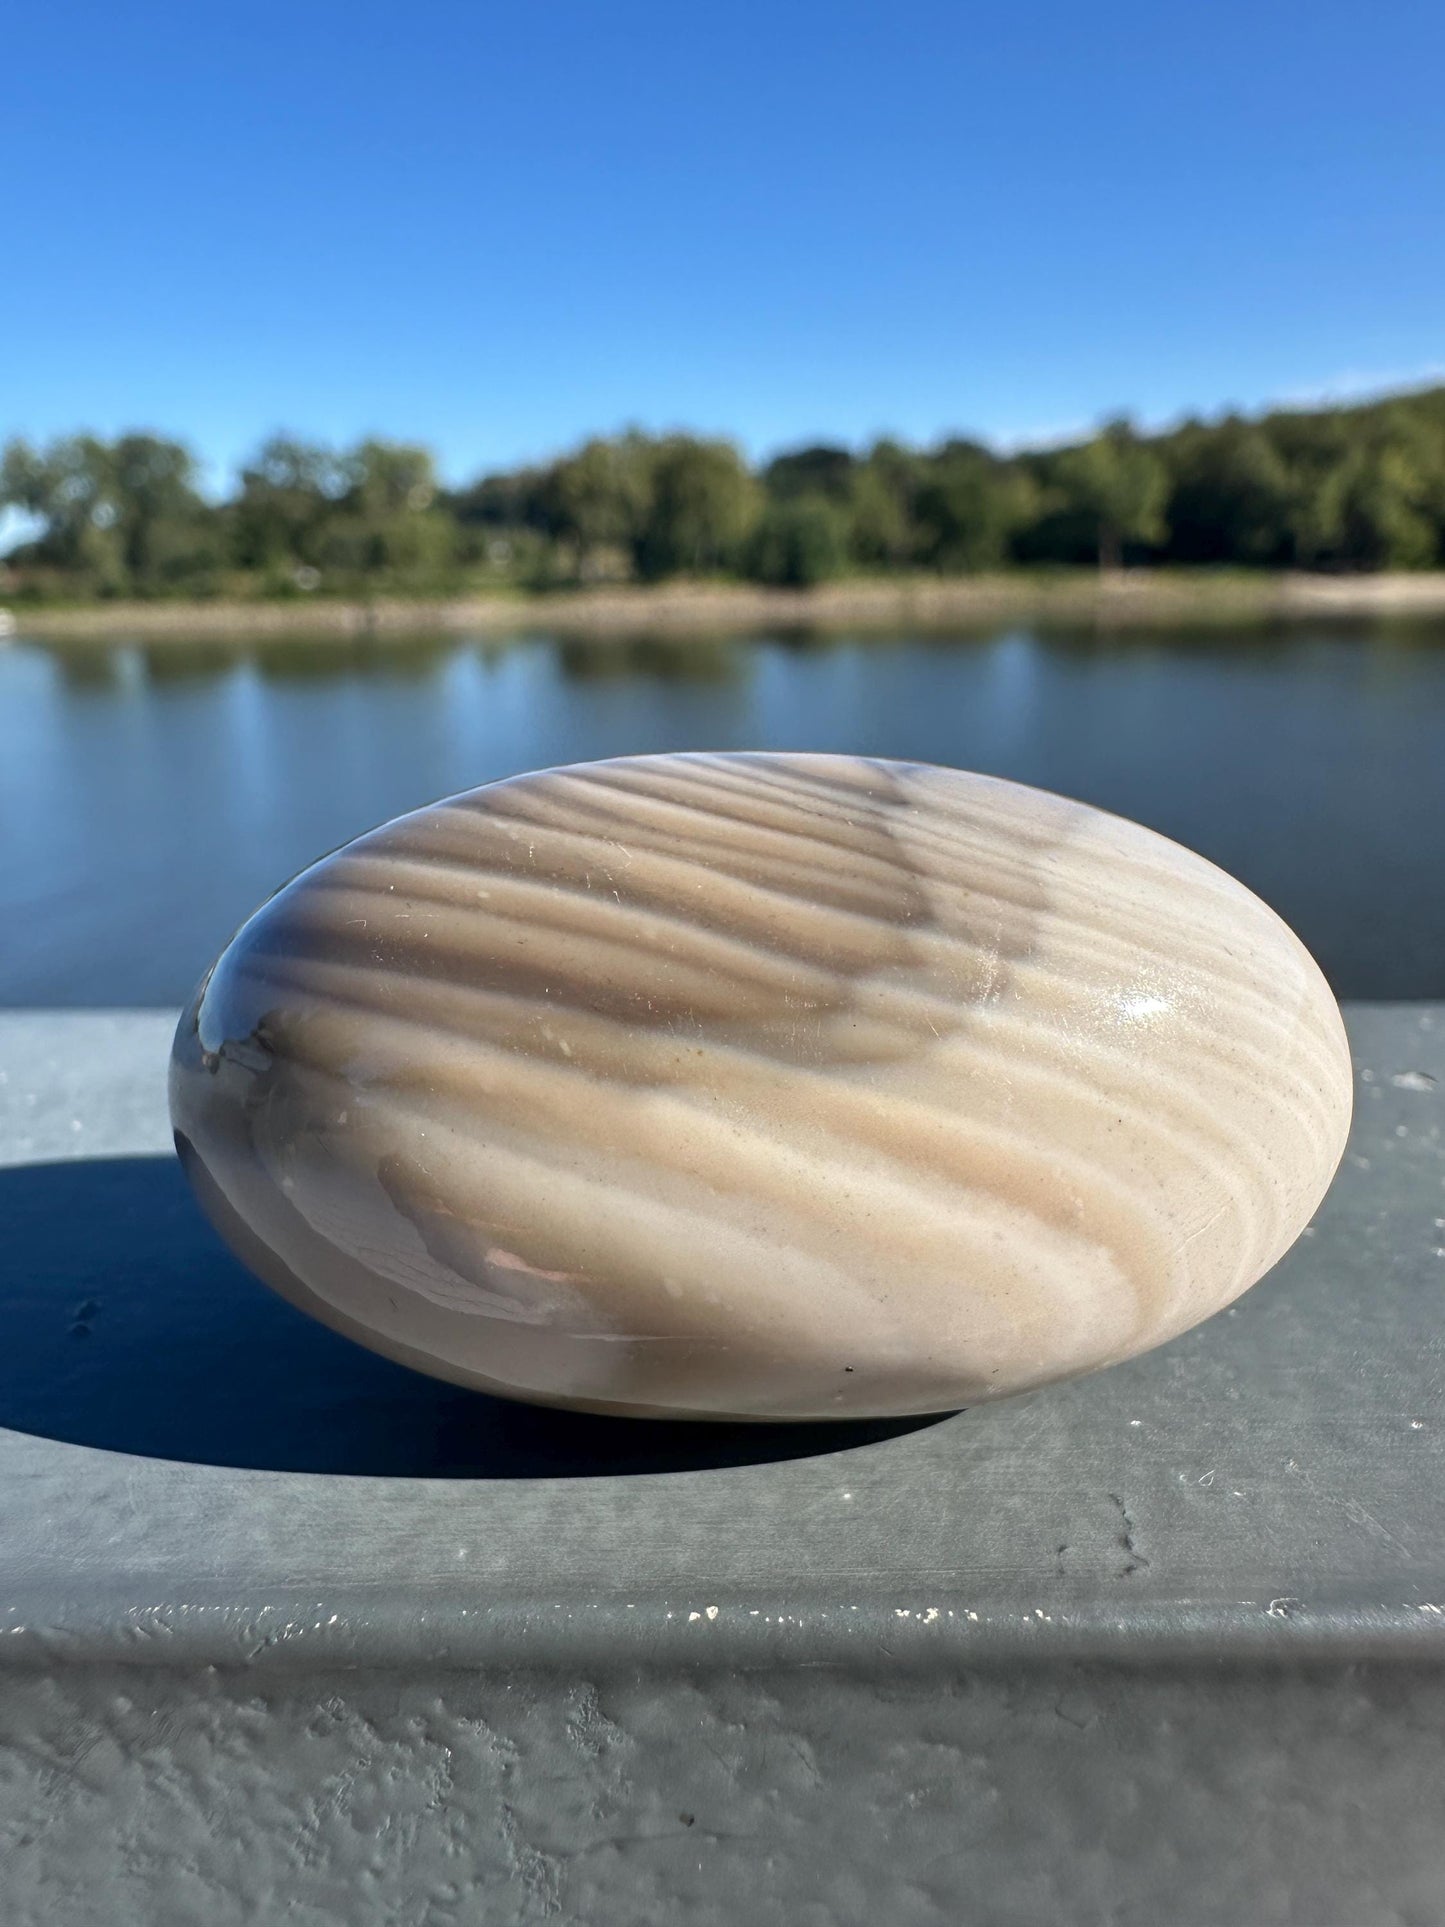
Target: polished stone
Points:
(762, 1086)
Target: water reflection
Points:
(151, 794)
(168, 662)
(94, 666)
(297, 658)
(710, 659)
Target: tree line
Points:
(1343, 488)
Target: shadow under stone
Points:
(126, 1324)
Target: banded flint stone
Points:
(761, 1086)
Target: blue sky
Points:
(497, 229)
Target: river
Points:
(151, 797)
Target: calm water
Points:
(148, 800)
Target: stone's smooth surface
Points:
(764, 1086)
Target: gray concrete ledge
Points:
(1267, 1488)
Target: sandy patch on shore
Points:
(1084, 596)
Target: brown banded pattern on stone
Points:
(761, 1086)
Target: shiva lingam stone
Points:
(761, 1086)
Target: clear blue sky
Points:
(498, 228)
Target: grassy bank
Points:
(1164, 596)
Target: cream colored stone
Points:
(763, 1086)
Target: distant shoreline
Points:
(1078, 596)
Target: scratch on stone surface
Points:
(1208, 1225)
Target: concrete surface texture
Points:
(289, 1633)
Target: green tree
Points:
(1231, 496)
(883, 493)
(386, 524)
(115, 516)
(703, 504)
(967, 507)
(1373, 512)
(600, 498)
(158, 513)
(798, 542)
(1118, 484)
(67, 488)
(382, 479)
(1361, 487)
(289, 492)
(515, 499)
(820, 472)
